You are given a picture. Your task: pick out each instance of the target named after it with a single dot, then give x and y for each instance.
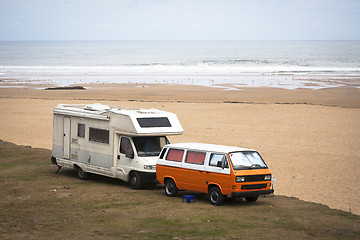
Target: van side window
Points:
(217, 160)
(175, 155)
(81, 130)
(195, 157)
(125, 145)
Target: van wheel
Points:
(215, 196)
(134, 180)
(170, 188)
(251, 199)
(81, 173)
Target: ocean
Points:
(286, 64)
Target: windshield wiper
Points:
(242, 167)
(148, 154)
(153, 154)
(256, 166)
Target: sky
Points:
(22, 20)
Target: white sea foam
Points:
(200, 69)
(280, 76)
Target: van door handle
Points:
(118, 156)
(201, 171)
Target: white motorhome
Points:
(111, 141)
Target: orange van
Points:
(217, 170)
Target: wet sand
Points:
(309, 138)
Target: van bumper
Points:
(251, 193)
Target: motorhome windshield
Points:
(149, 146)
(246, 160)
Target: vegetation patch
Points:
(36, 203)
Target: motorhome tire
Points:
(135, 181)
(81, 173)
(251, 199)
(215, 196)
(170, 188)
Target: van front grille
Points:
(254, 178)
(253, 186)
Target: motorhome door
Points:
(125, 157)
(66, 136)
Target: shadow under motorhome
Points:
(111, 141)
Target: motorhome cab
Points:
(111, 141)
(214, 169)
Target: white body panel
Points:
(88, 136)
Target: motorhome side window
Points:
(195, 157)
(99, 135)
(175, 155)
(81, 130)
(217, 160)
(125, 145)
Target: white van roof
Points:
(208, 147)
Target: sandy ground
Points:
(309, 139)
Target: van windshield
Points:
(246, 160)
(149, 146)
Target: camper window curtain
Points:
(175, 155)
(195, 157)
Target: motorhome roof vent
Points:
(97, 107)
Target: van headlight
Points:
(150, 167)
(267, 177)
(240, 179)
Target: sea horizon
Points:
(274, 63)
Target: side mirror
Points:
(129, 154)
(222, 164)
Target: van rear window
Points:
(195, 157)
(154, 122)
(175, 155)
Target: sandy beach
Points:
(309, 138)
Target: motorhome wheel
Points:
(82, 174)
(135, 181)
